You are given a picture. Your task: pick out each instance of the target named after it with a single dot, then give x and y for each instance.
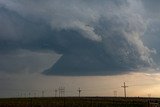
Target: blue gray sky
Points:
(79, 37)
(52, 43)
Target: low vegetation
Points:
(80, 102)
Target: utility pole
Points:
(35, 94)
(42, 93)
(115, 93)
(61, 91)
(29, 94)
(25, 94)
(124, 86)
(55, 92)
(149, 95)
(79, 92)
(21, 94)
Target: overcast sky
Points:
(55, 38)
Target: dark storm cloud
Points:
(152, 34)
(94, 38)
(151, 5)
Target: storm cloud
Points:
(86, 37)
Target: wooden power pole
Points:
(79, 92)
(124, 86)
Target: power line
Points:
(61, 91)
(55, 92)
(124, 86)
(42, 93)
(144, 84)
(79, 92)
(115, 93)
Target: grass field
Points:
(80, 102)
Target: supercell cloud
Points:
(78, 37)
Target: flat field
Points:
(80, 102)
